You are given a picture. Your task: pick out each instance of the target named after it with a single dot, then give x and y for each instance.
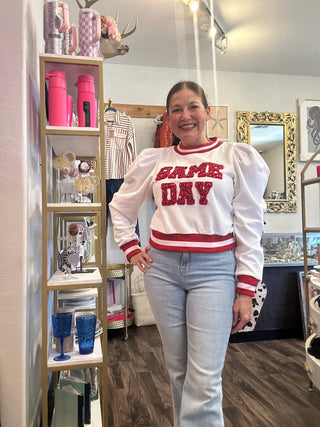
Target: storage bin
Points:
(141, 306)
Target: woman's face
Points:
(187, 117)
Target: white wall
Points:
(240, 91)
(34, 45)
(20, 273)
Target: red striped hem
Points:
(176, 248)
(192, 242)
(191, 237)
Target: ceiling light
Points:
(222, 43)
(214, 31)
(194, 5)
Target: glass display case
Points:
(287, 248)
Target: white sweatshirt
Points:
(209, 198)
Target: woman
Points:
(205, 258)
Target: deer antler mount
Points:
(87, 5)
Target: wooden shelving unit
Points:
(312, 364)
(86, 144)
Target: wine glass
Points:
(61, 323)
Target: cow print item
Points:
(257, 303)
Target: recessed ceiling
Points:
(264, 36)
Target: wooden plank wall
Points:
(139, 111)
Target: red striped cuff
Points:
(246, 285)
(130, 249)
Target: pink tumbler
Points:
(57, 98)
(89, 32)
(86, 103)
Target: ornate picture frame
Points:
(247, 118)
(309, 128)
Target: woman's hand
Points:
(242, 312)
(142, 260)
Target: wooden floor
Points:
(264, 383)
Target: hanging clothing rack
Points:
(138, 111)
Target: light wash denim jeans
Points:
(191, 296)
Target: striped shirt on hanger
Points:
(120, 143)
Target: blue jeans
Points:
(191, 296)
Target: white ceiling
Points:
(264, 36)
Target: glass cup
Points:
(86, 327)
(61, 323)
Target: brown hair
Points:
(187, 85)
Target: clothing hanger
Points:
(158, 120)
(109, 107)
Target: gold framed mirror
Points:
(274, 136)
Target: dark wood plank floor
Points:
(264, 383)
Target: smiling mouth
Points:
(189, 126)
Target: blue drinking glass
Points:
(61, 323)
(86, 328)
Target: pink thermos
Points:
(59, 104)
(86, 103)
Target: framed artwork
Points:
(218, 122)
(309, 128)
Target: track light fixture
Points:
(215, 31)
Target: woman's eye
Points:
(175, 110)
(194, 107)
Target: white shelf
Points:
(77, 293)
(73, 207)
(77, 358)
(71, 59)
(59, 279)
(67, 129)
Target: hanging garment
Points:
(120, 151)
(120, 143)
(164, 136)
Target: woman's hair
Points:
(197, 89)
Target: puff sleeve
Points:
(251, 177)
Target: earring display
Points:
(76, 179)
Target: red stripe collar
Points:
(211, 145)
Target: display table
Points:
(280, 316)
